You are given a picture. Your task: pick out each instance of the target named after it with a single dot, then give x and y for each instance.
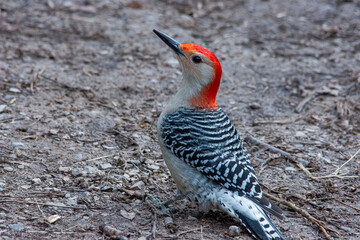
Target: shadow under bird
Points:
(202, 149)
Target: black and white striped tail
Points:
(251, 215)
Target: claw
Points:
(164, 206)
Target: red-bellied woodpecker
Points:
(202, 149)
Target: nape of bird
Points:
(202, 149)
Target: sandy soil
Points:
(82, 84)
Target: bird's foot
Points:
(164, 206)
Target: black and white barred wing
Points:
(208, 141)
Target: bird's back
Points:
(208, 141)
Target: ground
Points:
(82, 84)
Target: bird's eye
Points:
(196, 59)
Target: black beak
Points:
(172, 43)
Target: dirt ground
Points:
(82, 84)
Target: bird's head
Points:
(201, 72)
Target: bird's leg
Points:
(164, 206)
(177, 196)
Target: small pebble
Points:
(107, 189)
(14, 90)
(254, 106)
(8, 169)
(65, 169)
(53, 218)
(291, 169)
(138, 185)
(17, 144)
(76, 172)
(16, 227)
(2, 108)
(91, 170)
(36, 180)
(109, 147)
(168, 221)
(234, 231)
(53, 131)
(105, 166)
(136, 162)
(21, 166)
(78, 157)
(153, 167)
(300, 134)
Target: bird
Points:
(202, 149)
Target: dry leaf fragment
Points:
(127, 215)
(53, 218)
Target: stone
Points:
(105, 166)
(91, 170)
(65, 169)
(16, 227)
(53, 218)
(76, 172)
(54, 131)
(14, 90)
(78, 157)
(8, 169)
(36, 180)
(168, 221)
(153, 167)
(17, 144)
(234, 231)
(138, 185)
(2, 108)
(300, 134)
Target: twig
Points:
(356, 209)
(337, 174)
(303, 103)
(43, 204)
(263, 164)
(298, 161)
(187, 231)
(97, 158)
(5, 120)
(305, 214)
(47, 232)
(251, 139)
(42, 213)
(324, 91)
(282, 121)
(153, 230)
(307, 172)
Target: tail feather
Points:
(250, 214)
(268, 206)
